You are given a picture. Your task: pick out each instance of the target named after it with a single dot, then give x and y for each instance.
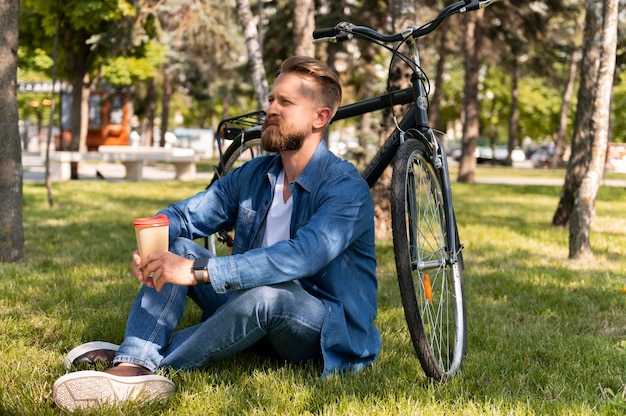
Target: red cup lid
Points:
(158, 221)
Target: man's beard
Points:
(275, 139)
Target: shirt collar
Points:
(309, 176)
(315, 168)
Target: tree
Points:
(591, 130)
(12, 231)
(526, 45)
(255, 53)
(557, 157)
(92, 31)
(434, 111)
(574, 56)
(201, 74)
(303, 26)
(473, 37)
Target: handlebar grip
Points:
(327, 32)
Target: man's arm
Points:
(344, 212)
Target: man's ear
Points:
(323, 117)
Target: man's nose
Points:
(271, 108)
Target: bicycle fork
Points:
(434, 144)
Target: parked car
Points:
(541, 157)
(201, 140)
(502, 152)
(483, 154)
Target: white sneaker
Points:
(91, 353)
(88, 389)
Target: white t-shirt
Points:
(279, 216)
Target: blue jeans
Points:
(285, 314)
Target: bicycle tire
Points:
(431, 288)
(246, 146)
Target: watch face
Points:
(200, 263)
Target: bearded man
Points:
(301, 277)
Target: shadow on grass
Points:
(544, 328)
(544, 335)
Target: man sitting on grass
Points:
(302, 272)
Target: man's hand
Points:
(160, 268)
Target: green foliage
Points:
(452, 90)
(122, 71)
(36, 60)
(33, 67)
(539, 107)
(90, 15)
(546, 334)
(539, 104)
(106, 26)
(495, 103)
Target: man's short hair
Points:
(321, 74)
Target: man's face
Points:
(290, 115)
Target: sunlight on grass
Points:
(546, 335)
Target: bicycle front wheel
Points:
(431, 287)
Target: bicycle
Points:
(427, 249)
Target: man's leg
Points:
(155, 315)
(288, 315)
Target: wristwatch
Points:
(199, 268)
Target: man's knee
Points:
(188, 248)
(281, 300)
(270, 294)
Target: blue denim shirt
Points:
(331, 249)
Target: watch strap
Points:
(199, 275)
(200, 266)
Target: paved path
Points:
(34, 171)
(542, 181)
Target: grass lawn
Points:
(546, 335)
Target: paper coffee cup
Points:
(152, 234)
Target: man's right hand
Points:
(138, 271)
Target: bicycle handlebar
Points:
(346, 30)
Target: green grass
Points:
(546, 335)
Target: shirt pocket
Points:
(244, 229)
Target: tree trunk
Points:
(78, 60)
(55, 57)
(151, 98)
(403, 15)
(12, 235)
(168, 89)
(434, 112)
(600, 47)
(255, 54)
(303, 26)
(366, 133)
(514, 116)
(471, 131)
(583, 122)
(559, 147)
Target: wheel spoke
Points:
(430, 283)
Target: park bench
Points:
(132, 157)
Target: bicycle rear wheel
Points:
(244, 147)
(430, 287)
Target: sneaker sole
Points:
(88, 389)
(84, 348)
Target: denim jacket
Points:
(331, 249)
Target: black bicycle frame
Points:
(387, 151)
